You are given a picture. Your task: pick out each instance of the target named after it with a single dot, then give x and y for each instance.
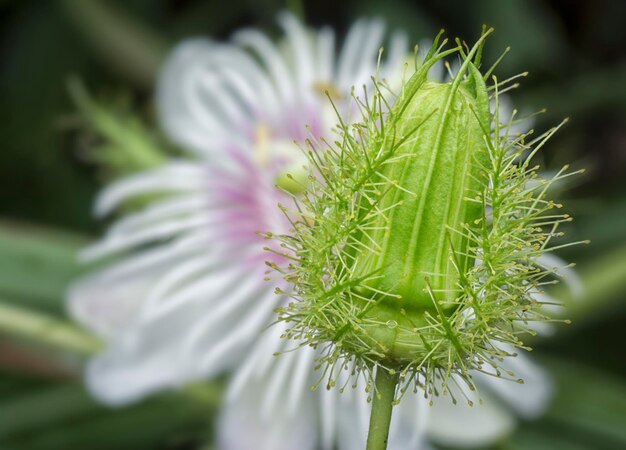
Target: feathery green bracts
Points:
(417, 246)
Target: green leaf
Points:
(604, 281)
(129, 145)
(587, 413)
(45, 329)
(63, 416)
(589, 401)
(36, 264)
(126, 44)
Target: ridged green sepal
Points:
(439, 171)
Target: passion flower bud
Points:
(417, 246)
(437, 170)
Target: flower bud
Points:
(417, 246)
(438, 169)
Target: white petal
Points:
(174, 81)
(567, 274)
(200, 104)
(176, 282)
(158, 211)
(244, 86)
(108, 300)
(465, 426)
(228, 108)
(353, 416)
(328, 416)
(174, 177)
(300, 378)
(210, 272)
(114, 244)
(409, 423)
(150, 355)
(258, 361)
(106, 306)
(211, 96)
(235, 60)
(236, 339)
(301, 51)
(243, 425)
(349, 54)
(365, 65)
(279, 378)
(325, 54)
(396, 55)
(530, 399)
(117, 380)
(272, 60)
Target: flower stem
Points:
(45, 329)
(382, 405)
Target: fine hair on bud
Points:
(416, 246)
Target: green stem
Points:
(45, 329)
(382, 405)
(297, 8)
(604, 280)
(126, 44)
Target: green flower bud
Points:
(438, 165)
(417, 246)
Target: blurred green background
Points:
(51, 168)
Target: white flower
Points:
(186, 298)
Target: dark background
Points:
(575, 52)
